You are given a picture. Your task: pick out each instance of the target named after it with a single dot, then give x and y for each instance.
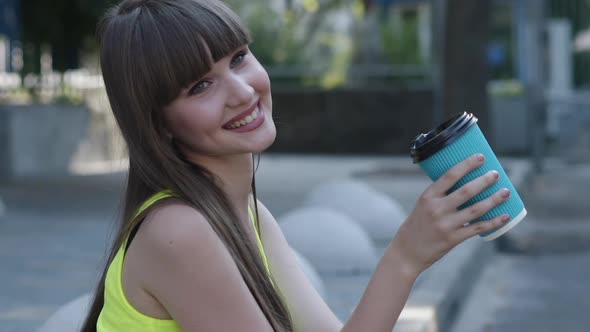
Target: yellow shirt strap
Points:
(259, 240)
(152, 200)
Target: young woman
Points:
(196, 251)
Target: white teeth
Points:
(246, 120)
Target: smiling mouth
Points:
(247, 117)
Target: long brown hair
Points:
(150, 50)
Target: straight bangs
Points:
(180, 42)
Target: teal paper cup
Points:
(454, 141)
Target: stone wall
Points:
(364, 121)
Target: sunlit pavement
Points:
(541, 282)
(544, 293)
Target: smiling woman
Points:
(195, 249)
(231, 98)
(178, 74)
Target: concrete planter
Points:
(332, 242)
(38, 140)
(574, 133)
(510, 123)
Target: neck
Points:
(235, 178)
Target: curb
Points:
(437, 299)
(539, 238)
(434, 304)
(565, 233)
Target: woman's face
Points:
(228, 111)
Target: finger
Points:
(455, 173)
(478, 209)
(481, 227)
(472, 188)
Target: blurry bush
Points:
(334, 43)
(506, 88)
(400, 39)
(308, 43)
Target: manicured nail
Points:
(505, 218)
(480, 157)
(496, 175)
(505, 193)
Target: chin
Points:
(266, 141)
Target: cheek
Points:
(261, 80)
(189, 121)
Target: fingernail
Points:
(505, 193)
(495, 174)
(505, 218)
(480, 157)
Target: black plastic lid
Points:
(425, 145)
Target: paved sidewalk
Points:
(539, 293)
(539, 282)
(52, 241)
(53, 237)
(557, 201)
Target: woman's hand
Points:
(435, 226)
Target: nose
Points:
(240, 91)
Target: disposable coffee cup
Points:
(454, 141)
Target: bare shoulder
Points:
(265, 216)
(174, 223)
(174, 230)
(272, 234)
(190, 272)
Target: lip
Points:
(250, 126)
(242, 115)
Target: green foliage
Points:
(68, 96)
(400, 40)
(275, 39)
(16, 96)
(298, 37)
(64, 95)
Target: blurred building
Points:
(10, 49)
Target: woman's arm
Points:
(380, 305)
(308, 310)
(433, 228)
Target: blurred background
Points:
(387, 69)
(352, 80)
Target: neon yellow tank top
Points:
(117, 313)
